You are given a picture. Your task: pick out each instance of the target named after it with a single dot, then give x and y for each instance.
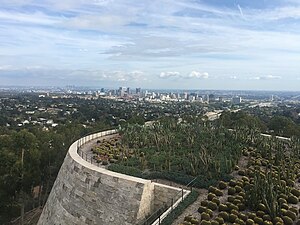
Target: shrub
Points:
(180, 208)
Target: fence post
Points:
(181, 194)
(172, 204)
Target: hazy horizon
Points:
(187, 44)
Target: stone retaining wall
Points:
(86, 194)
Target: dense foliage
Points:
(192, 197)
(181, 151)
(30, 159)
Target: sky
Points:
(182, 44)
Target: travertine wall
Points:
(164, 194)
(86, 194)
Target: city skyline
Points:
(251, 45)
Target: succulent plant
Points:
(224, 215)
(250, 222)
(292, 199)
(214, 222)
(216, 200)
(209, 212)
(258, 220)
(205, 222)
(222, 185)
(201, 209)
(295, 192)
(232, 218)
(210, 196)
(243, 216)
(287, 220)
(205, 216)
(291, 214)
(220, 220)
(213, 206)
(231, 191)
(223, 207)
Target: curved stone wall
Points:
(86, 194)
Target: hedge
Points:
(191, 198)
(200, 182)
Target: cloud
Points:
(169, 74)
(196, 74)
(240, 9)
(268, 77)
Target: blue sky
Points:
(208, 44)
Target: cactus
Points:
(232, 218)
(239, 221)
(238, 189)
(287, 220)
(201, 209)
(241, 172)
(277, 220)
(294, 209)
(262, 207)
(285, 206)
(243, 216)
(292, 199)
(267, 217)
(195, 221)
(204, 203)
(213, 206)
(209, 212)
(218, 192)
(220, 220)
(205, 216)
(224, 215)
(210, 196)
(258, 220)
(222, 185)
(223, 207)
(188, 218)
(232, 183)
(230, 198)
(260, 213)
(205, 222)
(216, 200)
(291, 214)
(295, 192)
(241, 206)
(250, 222)
(231, 191)
(214, 222)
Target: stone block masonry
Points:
(86, 194)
